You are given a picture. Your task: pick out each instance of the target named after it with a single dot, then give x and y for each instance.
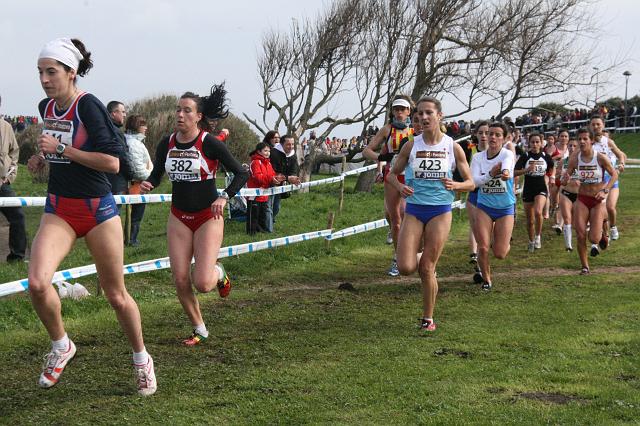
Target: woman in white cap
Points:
(428, 163)
(80, 144)
(393, 136)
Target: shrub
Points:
(159, 112)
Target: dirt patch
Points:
(507, 276)
(550, 397)
(346, 287)
(454, 352)
(627, 378)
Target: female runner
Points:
(535, 165)
(394, 134)
(481, 134)
(559, 155)
(195, 226)
(80, 144)
(492, 172)
(607, 146)
(428, 163)
(568, 194)
(590, 207)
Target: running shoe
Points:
(584, 271)
(569, 248)
(486, 285)
(224, 282)
(557, 228)
(538, 242)
(595, 250)
(146, 378)
(427, 324)
(473, 258)
(604, 242)
(477, 277)
(194, 339)
(531, 247)
(54, 363)
(393, 271)
(389, 238)
(613, 233)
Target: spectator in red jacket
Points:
(262, 176)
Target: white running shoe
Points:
(538, 242)
(54, 363)
(613, 233)
(389, 238)
(146, 378)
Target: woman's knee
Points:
(39, 287)
(501, 252)
(407, 267)
(204, 283)
(427, 268)
(119, 300)
(182, 283)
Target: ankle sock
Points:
(220, 273)
(141, 358)
(567, 235)
(201, 329)
(61, 345)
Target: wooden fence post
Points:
(327, 243)
(341, 200)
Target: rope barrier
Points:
(163, 263)
(162, 198)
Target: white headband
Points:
(62, 50)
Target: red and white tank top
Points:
(190, 164)
(67, 128)
(590, 172)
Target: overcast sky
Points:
(143, 48)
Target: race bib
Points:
(183, 165)
(495, 186)
(62, 130)
(588, 174)
(430, 165)
(539, 167)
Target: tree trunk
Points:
(366, 180)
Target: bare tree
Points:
(362, 52)
(356, 49)
(545, 55)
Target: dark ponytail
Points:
(85, 63)
(212, 107)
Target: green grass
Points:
(629, 143)
(545, 346)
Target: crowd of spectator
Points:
(21, 122)
(614, 117)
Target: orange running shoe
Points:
(194, 339)
(224, 282)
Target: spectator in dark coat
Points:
(285, 163)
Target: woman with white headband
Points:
(80, 144)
